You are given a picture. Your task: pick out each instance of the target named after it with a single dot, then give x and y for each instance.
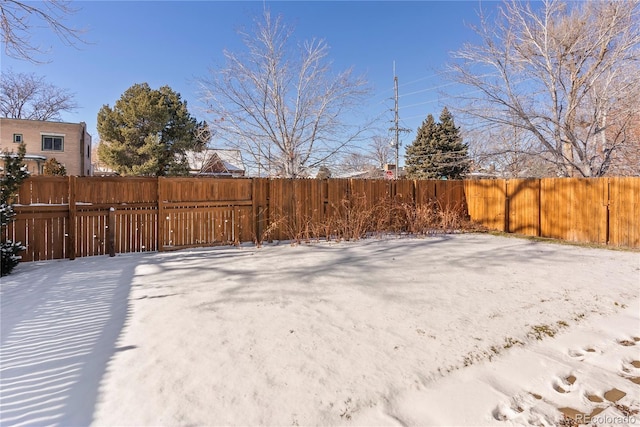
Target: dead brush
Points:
(451, 217)
(355, 217)
(352, 219)
(267, 233)
(328, 228)
(432, 217)
(420, 219)
(393, 216)
(298, 230)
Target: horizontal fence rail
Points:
(68, 217)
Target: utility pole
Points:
(396, 121)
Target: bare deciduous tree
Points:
(380, 150)
(280, 105)
(17, 18)
(567, 73)
(27, 96)
(376, 154)
(506, 152)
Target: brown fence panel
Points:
(404, 191)
(245, 223)
(135, 202)
(523, 197)
(91, 232)
(296, 207)
(67, 217)
(308, 196)
(110, 191)
(338, 190)
(450, 195)
(368, 193)
(200, 226)
(206, 189)
(50, 190)
(136, 230)
(425, 192)
(204, 212)
(260, 230)
(41, 218)
(624, 212)
(281, 206)
(42, 229)
(486, 201)
(574, 209)
(338, 198)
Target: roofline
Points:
(46, 121)
(26, 156)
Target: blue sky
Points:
(174, 42)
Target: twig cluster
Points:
(355, 218)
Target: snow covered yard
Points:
(446, 330)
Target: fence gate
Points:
(203, 212)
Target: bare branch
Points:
(17, 18)
(561, 73)
(27, 96)
(282, 107)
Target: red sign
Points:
(388, 174)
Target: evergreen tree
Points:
(438, 151)
(148, 132)
(52, 167)
(420, 152)
(13, 174)
(455, 162)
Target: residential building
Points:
(216, 162)
(68, 143)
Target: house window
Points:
(17, 138)
(52, 143)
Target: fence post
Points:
(161, 215)
(607, 184)
(236, 226)
(506, 206)
(72, 218)
(539, 230)
(256, 212)
(111, 227)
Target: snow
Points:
(444, 330)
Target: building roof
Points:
(215, 160)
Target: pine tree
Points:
(454, 162)
(147, 132)
(438, 151)
(14, 173)
(419, 153)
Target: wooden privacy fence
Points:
(590, 210)
(68, 217)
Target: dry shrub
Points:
(298, 229)
(352, 219)
(420, 219)
(355, 217)
(267, 233)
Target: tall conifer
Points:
(438, 151)
(148, 132)
(455, 161)
(419, 153)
